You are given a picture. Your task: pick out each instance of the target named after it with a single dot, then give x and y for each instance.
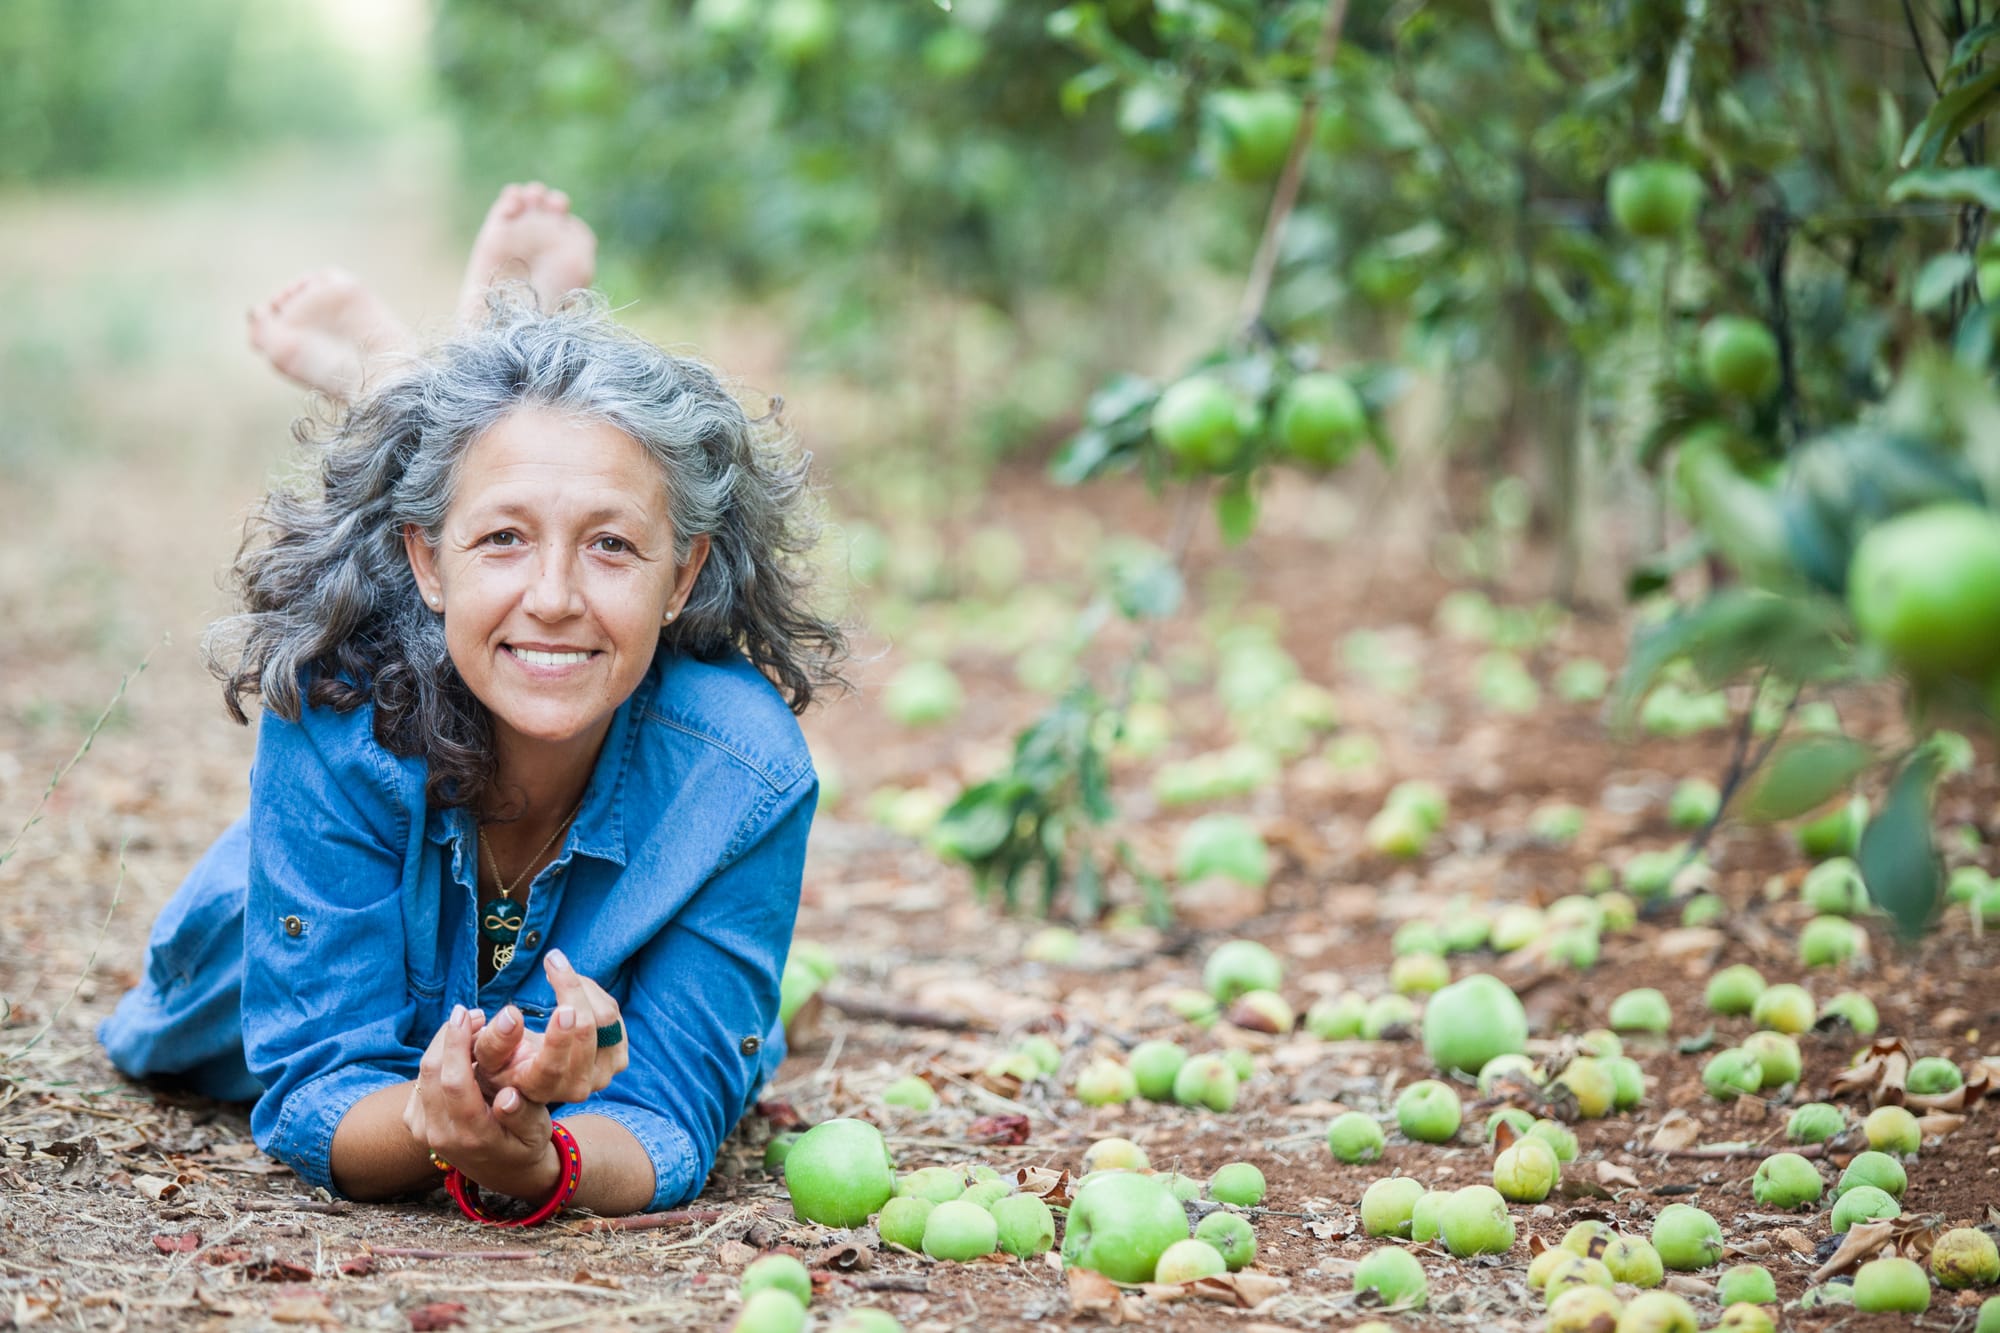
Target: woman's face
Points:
(554, 574)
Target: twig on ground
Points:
(35, 815)
(902, 1015)
(650, 1221)
(336, 1206)
(407, 1252)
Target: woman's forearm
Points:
(376, 1157)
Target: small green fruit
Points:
(1863, 1203)
(1115, 1154)
(1989, 1316)
(771, 1311)
(1558, 1136)
(1470, 1021)
(1189, 1261)
(779, 1272)
(1105, 1082)
(1354, 1138)
(1657, 1312)
(1777, 1057)
(1783, 1008)
(1893, 1129)
(1388, 1016)
(1239, 966)
(1515, 927)
(1745, 1318)
(1427, 1218)
(960, 1231)
(1429, 1112)
(1474, 1220)
(1686, 1237)
(779, 1148)
(1393, 1277)
(1527, 1171)
(1508, 1069)
(1155, 1064)
(1633, 1259)
(1785, 1180)
(1387, 1206)
(1186, 1188)
(1642, 1010)
(1262, 1011)
(901, 1221)
(1206, 1080)
(936, 1183)
(1629, 1080)
(1739, 357)
(1693, 803)
(1585, 1310)
(1898, 1286)
(1965, 1257)
(1587, 1238)
(911, 1093)
(1828, 941)
(1933, 1076)
(1332, 1019)
(1225, 845)
(1521, 1121)
(1573, 1271)
(1198, 422)
(1734, 990)
(1419, 974)
(1814, 1122)
(1120, 1224)
(1595, 1090)
(985, 1193)
(1654, 199)
(1416, 937)
(1320, 418)
(839, 1172)
(1232, 1236)
(1854, 1009)
(1834, 888)
(1239, 1183)
(1240, 1063)
(1254, 129)
(1874, 1168)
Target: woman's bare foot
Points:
(529, 234)
(324, 329)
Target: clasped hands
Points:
(483, 1088)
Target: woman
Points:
(528, 656)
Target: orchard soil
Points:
(127, 1207)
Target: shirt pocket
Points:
(207, 906)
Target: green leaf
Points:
(1956, 185)
(1802, 775)
(1940, 276)
(1949, 117)
(1514, 23)
(1802, 639)
(1079, 89)
(1968, 48)
(1899, 861)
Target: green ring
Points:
(610, 1034)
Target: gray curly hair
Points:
(331, 614)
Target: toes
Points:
(559, 201)
(509, 202)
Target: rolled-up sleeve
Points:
(327, 1012)
(703, 996)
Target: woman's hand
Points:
(504, 1145)
(562, 1063)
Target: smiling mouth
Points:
(537, 657)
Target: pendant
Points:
(503, 954)
(500, 920)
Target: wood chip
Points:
(1616, 1176)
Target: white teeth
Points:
(550, 659)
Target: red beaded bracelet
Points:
(466, 1193)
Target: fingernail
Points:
(560, 959)
(507, 1100)
(458, 1015)
(565, 1016)
(509, 1019)
(475, 1016)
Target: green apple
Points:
(1512, 1068)
(1388, 1016)
(839, 1172)
(1513, 1116)
(1989, 1316)
(1044, 1052)
(1155, 1064)
(1641, 1010)
(1194, 1006)
(923, 694)
(1320, 419)
(1393, 1277)
(1828, 941)
(1587, 1238)
(1874, 1168)
(1054, 945)
(1470, 1021)
(1239, 966)
(1783, 1008)
(1239, 1183)
(1743, 1317)
(1189, 1261)
(771, 1311)
(1834, 888)
(1429, 1112)
(1545, 1263)
(1253, 129)
(1515, 927)
(1893, 1129)
(1593, 1086)
(1386, 1206)
(1893, 1285)
(1425, 800)
(1262, 1011)
(1185, 1188)
(1427, 1218)
(1854, 1009)
(936, 1183)
(1585, 1310)
(1399, 832)
(1557, 1136)
(1654, 199)
(1120, 1225)
(1734, 990)
(986, 1193)
(1577, 948)
(780, 1272)
(1633, 1259)
(1225, 845)
(777, 1150)
(1620, 912)
(911, 1093)
(1526, 1171)
(1686, 1237)
(1206, 1080)
(1115, 1154)
(1474, 1220)
(1694, 803)
(1965, 1257)
(1465, 931)
(1814, 1122)
(1933, 1076)
(1557, 822)
(1354, 1138)
(1232, 1236)
(1747, 1283)
(1573, 1271)
(1017, 1065)
(1739, 357)
(1704, 909)
(1863, 1203)
(1419, 974)
(1777, 1056)
(960, 1231)
(1198, 422)
(1786, 1180)
(1336, 1019)
(1240, 1063)
(1105, 1082)
(1628, 1082)
(1658, 1312)
(1837, 833)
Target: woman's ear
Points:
(684, 577)
(423, 565)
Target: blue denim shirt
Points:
(316, 949)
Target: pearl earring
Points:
(436, 602)
(670, 618)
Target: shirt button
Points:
(294, 927)
(532, 938)
(751, 1045)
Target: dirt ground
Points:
(143, 433)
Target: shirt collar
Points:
(599, 830)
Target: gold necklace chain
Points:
(503, 951)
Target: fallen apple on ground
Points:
(1232, 1236)
(1394, 1277)
(1119, 1225)
(839, 1172)
(779, 1271)
(1429, 1112)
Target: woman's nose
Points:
(556, 591)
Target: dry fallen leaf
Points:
(1095, 1294)
(436, 1315)
(1616, 1176)
(1863, 1240)
(1677, 1130)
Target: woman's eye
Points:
(613, 545)
(501, 538)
